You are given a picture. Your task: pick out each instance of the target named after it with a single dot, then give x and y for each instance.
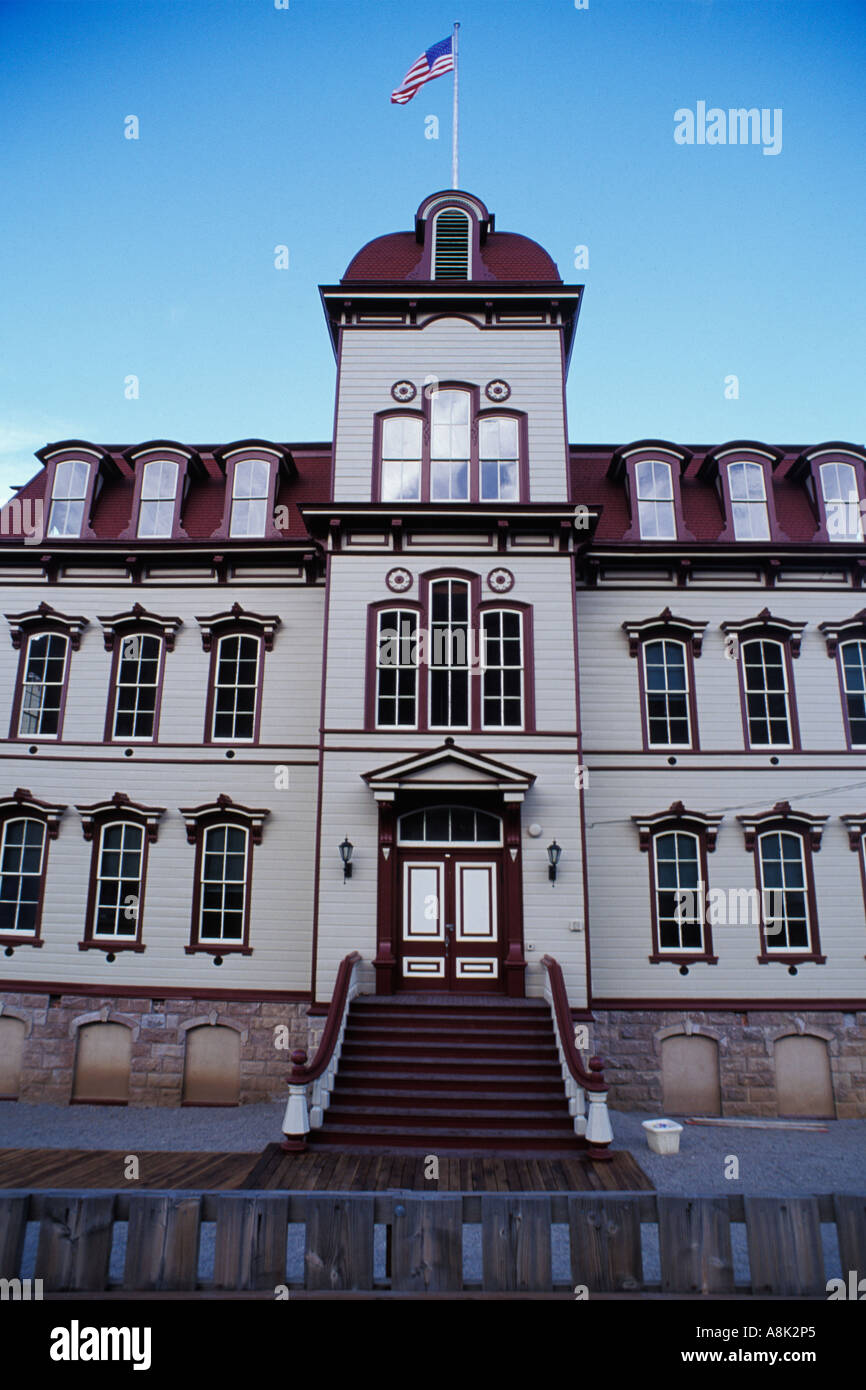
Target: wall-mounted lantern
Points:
(553, 852)
(346, 849)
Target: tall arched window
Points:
(449, 657)
(223, 884)
(765, 678)
(397, 669)
(666, 691)
(853, 667)
(119, 881)
(450, 448)
(451, 245)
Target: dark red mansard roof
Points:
(590, 483)
(506, 255)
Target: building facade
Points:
(446, 691)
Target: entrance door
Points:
(450, 934)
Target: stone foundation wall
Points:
(268, 1033)
(630, 1042)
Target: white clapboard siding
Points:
(450, 349)
(609, 688)
(544, 582)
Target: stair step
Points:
(436, 1138)
(412, 1045)
(386, 1097)
(447, 1081)
(464, 1068)
(420, 1118)
(370, 1031)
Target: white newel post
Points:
(598, 1130)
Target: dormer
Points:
(75, 473)
(452, 227)
(834, 475)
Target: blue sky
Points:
(261, 127)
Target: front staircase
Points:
(448, 1073)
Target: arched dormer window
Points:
(742, 475)
(835, 479)
(254, 470)
(452, 245)
(75, 473)
(651, 471)
(164, 472)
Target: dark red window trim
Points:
(190, 467)
(809, 830)
(207, 818)
(147, 625)
(679, 821)
(100, 466)
(236, 621)
(840, 672)
(689, 635)
(714, 469)
(94, 818)
(808, 468)
(788, 636)
(477, 607)
(476, 415)
(46, 626)
(371, 724)
(622, 469)
(22, 805)
(281, 464)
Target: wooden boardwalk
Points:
(275, 1170)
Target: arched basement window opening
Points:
(451, 245)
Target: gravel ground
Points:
(777, 1163)
(774, 1162)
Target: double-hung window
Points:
(22, 862)
(666, 691)
(397, 669)
(748, 501)
(655, 500)
(251, 488)
(223, 884)
(68, 496)
(499, 456)
(43, 685)
(502, 669)
(765, 678)
(236, 684)
(401, 458)
(119, 880)
(841, 501)
(136, 686)
(158, 496)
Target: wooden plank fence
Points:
(424, 1243)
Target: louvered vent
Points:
(451, 260)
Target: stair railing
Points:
(580, 1084)
(310, 1086)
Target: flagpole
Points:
(454, 126)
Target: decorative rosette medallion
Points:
(398, 581)
(403, 391)
(497, 391)
(500, 581)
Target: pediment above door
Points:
(449, 768)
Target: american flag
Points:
(433, 63)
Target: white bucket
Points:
(663, 1136)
